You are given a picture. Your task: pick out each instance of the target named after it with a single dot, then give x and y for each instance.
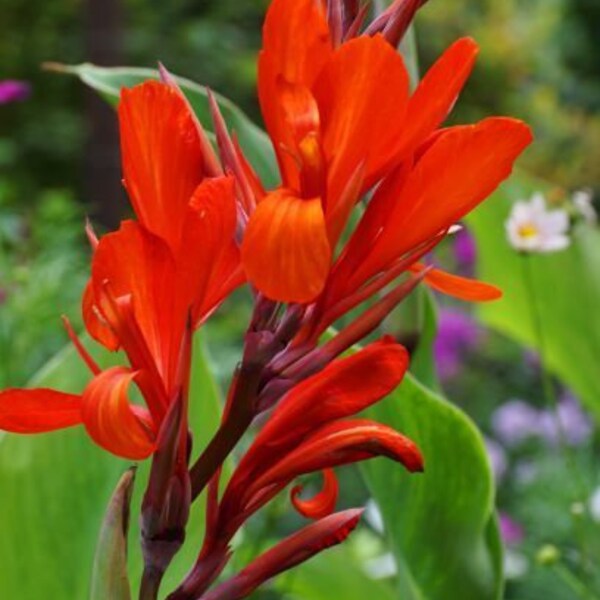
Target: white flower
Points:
(594, 505)
(582, 201)
(516, 564)
(531, 227)
(381, 567)
(373, 516)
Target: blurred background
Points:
(59, 161)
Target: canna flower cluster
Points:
(353, 145)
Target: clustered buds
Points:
(349, 138)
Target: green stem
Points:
(536, 320)
(550, 394)
(569, 578)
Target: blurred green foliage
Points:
(42, 274)
(539, 62)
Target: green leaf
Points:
(109, 576)
(255, 143)
(55, 488)
(422, 362)
(566, 288)
(440, 524)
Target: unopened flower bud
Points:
(548, 555)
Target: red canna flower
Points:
(342, 119)
(152, 281)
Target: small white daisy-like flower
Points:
(582, 201)
(532, 227)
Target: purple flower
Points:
(465, 251)
(12, 90)
(569, 417)
(457, 335)
(512, 532)
(514, 422)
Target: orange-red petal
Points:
(134, 262)
(296, 45)
(362, 95)
(38, 410)
(459, 287)
(95, 322)
(285, 251)
(461, 168)
(321, 504)
(437, 93)
(111, 421)
(210, 259)
(162, 156)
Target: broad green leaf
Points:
(440, 524)
(55, 488)
(109, 576)
(566, 288)
(255, 143)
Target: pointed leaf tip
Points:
(109, 576)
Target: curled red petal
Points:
(295, 549)
(333, 445)
(285, 251)
(344, 388)
(111, 421)
(38, 410)
(459, 287)
(323, 503)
